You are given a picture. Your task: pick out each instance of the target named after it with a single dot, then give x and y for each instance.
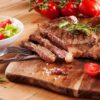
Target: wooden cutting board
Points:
(73, 83)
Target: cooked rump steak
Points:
(44, 53)
(80, 45)
(53, 40)
(60, 53)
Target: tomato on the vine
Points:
(89, 8)
(57, 8)
(69, 9)
(35, 5)
(92, 69)
(50, 10)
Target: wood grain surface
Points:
(73, 82)
(12, 91)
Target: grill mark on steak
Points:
(62, 54)
(55, 40)
(76, 50)
(44, 53)
(69, 38)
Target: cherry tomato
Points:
(89, 8)
(51, 11)
(92, 69)
(69, 9)
(2, 24)
(2, 36)
(8, 21)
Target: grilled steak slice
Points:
(78, 43)
(44, 53)
(68, 57)
(75, 50)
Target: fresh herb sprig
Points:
(78, 28)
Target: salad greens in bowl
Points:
(10, 30)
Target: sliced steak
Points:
(74, 49)
(44, 53)
(78, 43)
(62, 54)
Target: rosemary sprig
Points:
(63, 24)
(78, 28)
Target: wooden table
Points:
(12, 91)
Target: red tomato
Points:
(36, 6)
(89, 8)
(2, 24)
(8, 21)
(2, 36)
(92, 69)
(51, 11)
(69, 9)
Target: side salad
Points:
(7, 29)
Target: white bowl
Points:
(6, 42)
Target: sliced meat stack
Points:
(53, 41)
(60, 53)
(79, 44)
